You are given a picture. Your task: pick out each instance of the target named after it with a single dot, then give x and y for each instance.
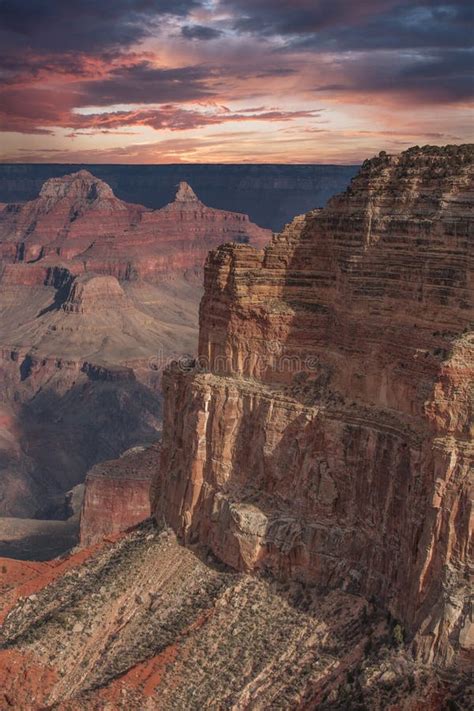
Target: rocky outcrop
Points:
(140, 622)
(117, 494)
(78, 219)
(324, 432)
(269, 194)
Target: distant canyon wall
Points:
(270, 194)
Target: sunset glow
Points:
(297, 81)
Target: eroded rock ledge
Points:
(328, 438)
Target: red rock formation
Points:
(328, 438)
(66, 322)
(79, 219)
(117, 494)
(92, 294)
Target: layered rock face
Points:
(117, 494)
(92, 294)
(77, 218)
(324, 433)
(269, 194)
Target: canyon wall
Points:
(324, 432)
(80, 368)
(77, 219)
(269, 194)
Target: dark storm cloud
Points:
(16, 68)
(406, 26)
(83, 25)
(200, 32)
(339, 25)
(144, 83)
(443, 77)
(294, 17)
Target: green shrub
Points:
(397, 635)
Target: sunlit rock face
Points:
(324, 432)
(77, 218)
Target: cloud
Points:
(338, 25)
(425, 24)
(151, 65)
(421, 48)
(83, 25)
(178, 119)
(200, 32)
(144, 83)
(168, 116)
(300, 17)
(435, 77)
(32, 109)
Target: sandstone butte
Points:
(316, 465)
(77, 219)
(329, 437)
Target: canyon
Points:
(96, 296)
(311, 539)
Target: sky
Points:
(232, 81)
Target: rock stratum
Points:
(78, 219)
(329, 437)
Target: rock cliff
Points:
(77, 218)
(86, 324)
(117, 494)
(321, 439)
(324, 433)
